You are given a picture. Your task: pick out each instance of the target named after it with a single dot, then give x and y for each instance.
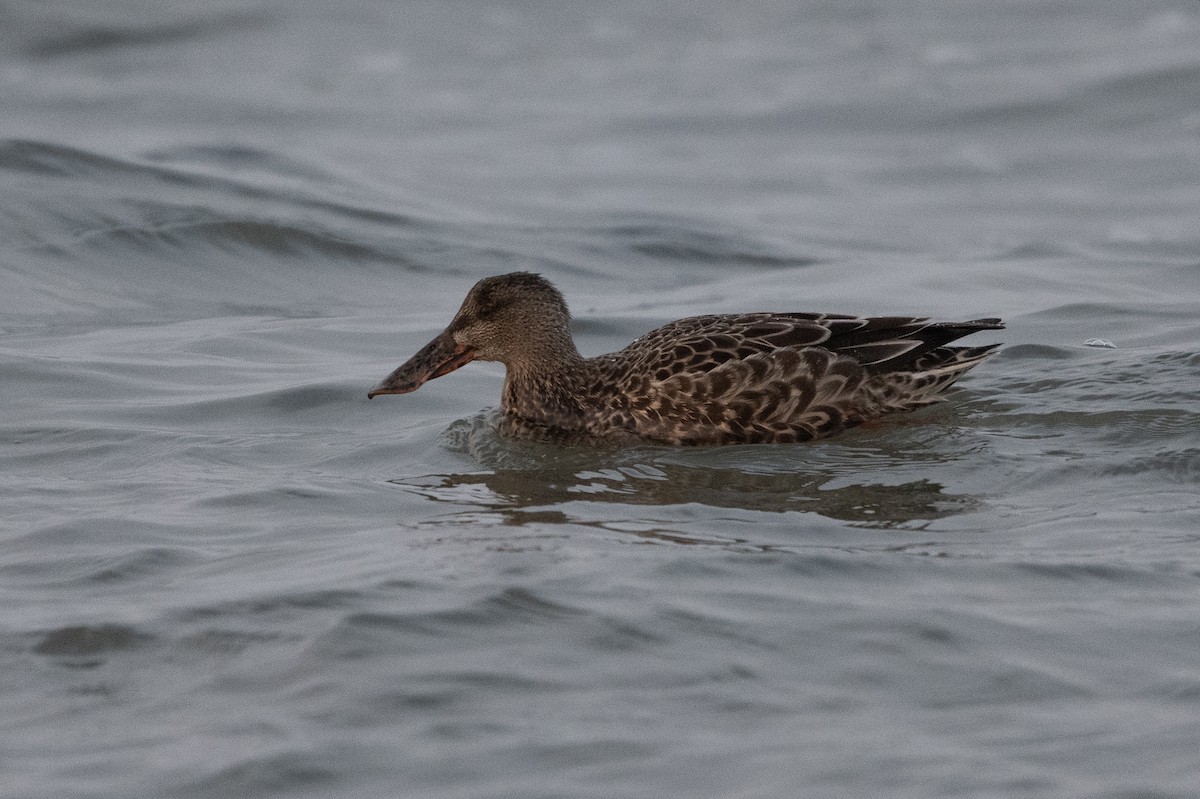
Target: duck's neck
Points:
(547, 388)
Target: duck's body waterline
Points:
(722, 379)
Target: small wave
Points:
(292, 772)
(178, 225)
(240, 158)
(1121, 100)
(204, 178)
(1127, 381)
(236, 236)
(511, 605)
(1038, 352)
(57, 160)
(683, 240)
(270, 605)
(247, 404)
(1176, 465)
(85, 40)
(90, 641)
(1093, 572)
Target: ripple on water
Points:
(294, 769)
(90, 646)
(681, 240)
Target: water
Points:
(226, 573)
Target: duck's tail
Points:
(925, 380)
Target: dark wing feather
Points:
(699, 344)
(896, 343)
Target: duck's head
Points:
(519, 319)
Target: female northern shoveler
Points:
(726, 379)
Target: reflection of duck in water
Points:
(722, 379)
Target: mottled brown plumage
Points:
(721, 379)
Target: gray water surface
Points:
(224, 572)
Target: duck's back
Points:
(775, 377)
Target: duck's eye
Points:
(490, 310)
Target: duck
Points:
(720, 379)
